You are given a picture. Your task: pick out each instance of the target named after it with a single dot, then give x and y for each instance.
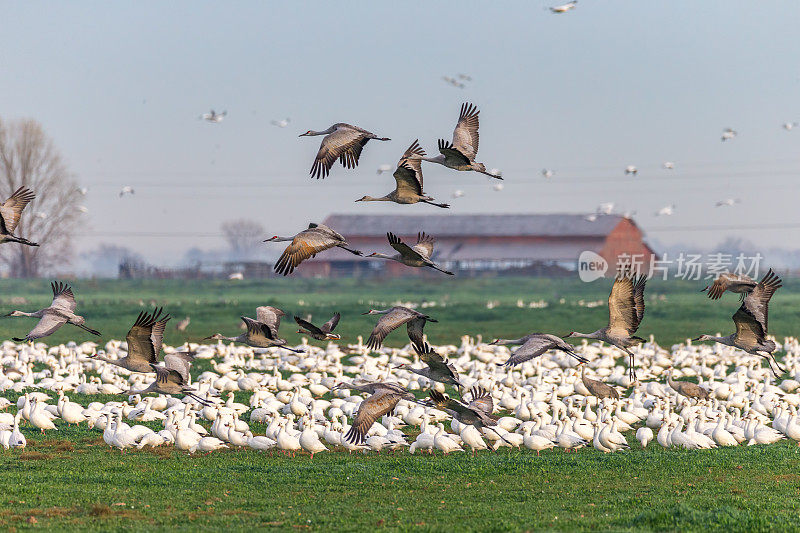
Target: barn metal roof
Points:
(549, 225)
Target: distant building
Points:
(482, 244)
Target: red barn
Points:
(484, 243)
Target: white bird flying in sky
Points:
(458, 193)
(563, 8)
(605, 208)
(631, 169)
(666, 211)
(728, 134)
(789, 126)
(214, 117)
(280, 123)
(547, 173)
(496, 172)
(498, 187)
(127, 189)
(669, 165)
(384, 168)
(727, 202)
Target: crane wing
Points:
(757, 302)
(406, 180)
(748, 330)
(465, 135)
(481, 400)
(305, 244)
(412, 159)
(345, 144)
(11, 209)
(271, 316)
(387, 323)
(180, 362)
(404, 249)
(139, 337)
(258, 331)
(382, 402)
(626, 302)
(46, 326)
(63, 298)
(424, 245)
(532, 348)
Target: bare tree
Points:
(28, 157)
(244, 237)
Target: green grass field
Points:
(71, 480)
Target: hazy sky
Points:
(120, 86)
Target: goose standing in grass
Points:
(144, 343)
(625, 313)
(727, 281)
(534, 345)
(10, 212)
(408, 181)
(393, 318)
(60, 312)
(306, 244)
(751, 323)
(644, 435)
(460, 154)
(381, 402)
(417, 256)
(322, 333)
(343, 142)
(437, 369)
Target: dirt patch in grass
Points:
(34, 456)
(101, 510)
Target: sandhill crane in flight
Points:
(728, 202)
(10, 212)
(478, 412)
(534, 345)
(383, 401)
(408, 181)
(144, 343)
(60, 312)
(280, 123)
(625, 313)
(669, 165)
(460, 154)
(563, 8)
(168, 381)
(437, 369)
(214, 117)
(751, 323)
(418, 255)
(308, 243)
(631, 169)
(728, 134)
(127, 189)
(392, 319)
(322, 333)
(727, 281)
(666, 211)
(547, 173)
(343, 142)
(261, 332)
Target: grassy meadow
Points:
(69, 479)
